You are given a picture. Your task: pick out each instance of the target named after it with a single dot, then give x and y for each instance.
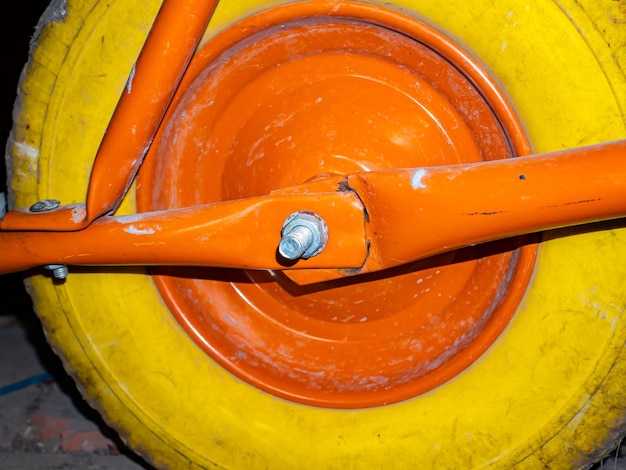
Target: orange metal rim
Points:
(303, 90)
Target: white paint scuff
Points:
(26, 150)
(416, 179)
(129, 82)
(138, 231)
(78, 214)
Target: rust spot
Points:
(485, 213)
(582, 201)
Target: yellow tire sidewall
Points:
(548, 392)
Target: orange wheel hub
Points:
(309, 89)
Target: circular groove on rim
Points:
(310, 92)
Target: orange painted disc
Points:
(303, 90)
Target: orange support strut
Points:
(376, 220)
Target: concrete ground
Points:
(44, 422)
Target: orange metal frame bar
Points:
(375, 220)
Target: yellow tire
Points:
(549, 393)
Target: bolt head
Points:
(45, 205)
(311, 221)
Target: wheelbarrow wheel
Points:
(547, 392)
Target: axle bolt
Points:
(304, 235)
(296, 242)
(59, 271)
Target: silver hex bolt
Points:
(59, 271)
(304, 235)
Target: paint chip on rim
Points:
(416, 179)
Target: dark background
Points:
(17, 25)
